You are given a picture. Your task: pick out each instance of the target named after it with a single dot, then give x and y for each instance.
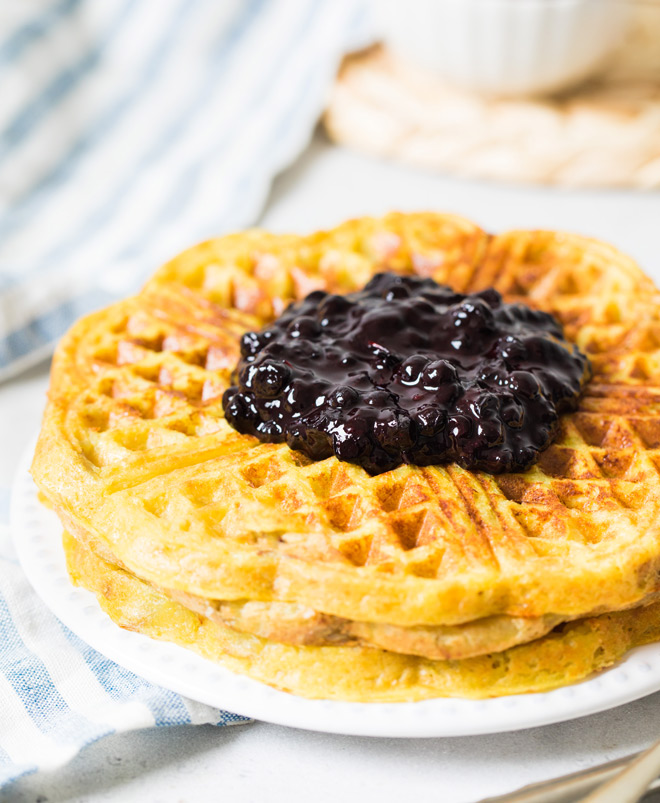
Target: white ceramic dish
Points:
(506, 47)
(37, 539)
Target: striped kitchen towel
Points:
(57, 695)
(131, 129)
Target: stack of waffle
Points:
(315, 577)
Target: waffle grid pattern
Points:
(155, 367)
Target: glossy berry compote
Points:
(408, 371)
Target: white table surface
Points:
(262, 762)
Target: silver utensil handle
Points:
(568, 788)
(632, 783)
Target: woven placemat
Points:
(605, 133)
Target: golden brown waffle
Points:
(299, 625)
(289, 623)
(134, 449)
(567, 655)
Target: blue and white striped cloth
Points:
(129, 129)
(58, 695)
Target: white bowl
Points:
(506, 47)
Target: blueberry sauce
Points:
(408, 371)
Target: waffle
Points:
(289, 623)
(566, 655)
(134, 448)
(414, 583)
(299, 625)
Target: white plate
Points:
(37, 536)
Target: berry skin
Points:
(266, 379)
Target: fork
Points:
(625, 780)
